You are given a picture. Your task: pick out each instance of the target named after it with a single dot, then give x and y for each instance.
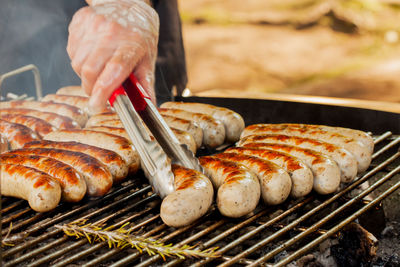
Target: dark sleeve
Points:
(170, 65)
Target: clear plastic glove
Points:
(110, 39)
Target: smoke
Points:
(36, 32)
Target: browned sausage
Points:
(72, 183)
(58, 121)
(69, 111)
(275, 182)
(114, 162)
(81, 102)
(41, 190)
(192, 198)
(98, 178)
(71, 90)
(107, 141)
(238, 188)
(96, 119)
(17, 134)
(233, 122)
(41, 127)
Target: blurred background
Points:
(342, 48)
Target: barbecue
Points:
(270, 235)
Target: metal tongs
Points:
(134, 107)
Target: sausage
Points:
(358, 135)
(73, 185)
(276, 184)
(213, 130)
(97, 177)
(359, 151)
(238, 188)
(192, 198)
(17, 134)
(96, 119)
(58, 121)
(325, 170)
(112, 142)
(114, 162)
(233, 122)
(69, 111)
(301, 175)
(42, 192)
(4, 146)
(41, 127)
(186, 139)
(187, 126)
(345, 160)
(182, 136)
(81, 102)
(71, 90)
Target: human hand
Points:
(110, 39)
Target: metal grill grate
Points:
(294, 227)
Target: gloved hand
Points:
(110, 39)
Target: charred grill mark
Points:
(231, 170)
(39, 178)
(264, 165)
(185, 178)
(108, 155)
(291, 163)
(317, 158)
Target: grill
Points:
(270, 235)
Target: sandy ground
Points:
(243, 56)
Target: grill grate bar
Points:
(91, 249)
(42, 225)
(168, 237)
(258, 229)
(184, 242)
(316, 225)
(386, 148)
(223, 234)
(344, 222)
(45, 224)
(82, 242)
(382, 137)
(313, 211)
(10, 207)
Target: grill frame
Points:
(70, 251)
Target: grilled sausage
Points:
(187, 126)
(275, 182)
(359, 151)
(233, 122)
(69, 111)
(98, 179)
(107, 141)
(42, 192)
(41, 127)
(16, 134)
(326, 172)
(192, 198)
(182, 136)
(72, 183)
(71, 90)
(358, 135)
(238, 188)
(114, 162)
(4, 146)
(213, 130)
(301, 175)
(96, 119)
(345, 160)
(81, 102)
(58, 121)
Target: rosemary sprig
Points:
(122, 238)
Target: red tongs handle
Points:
(134, 90)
